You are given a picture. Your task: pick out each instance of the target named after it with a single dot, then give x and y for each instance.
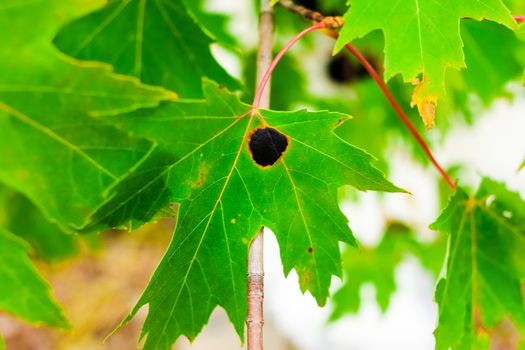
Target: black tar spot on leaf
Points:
(267, 145)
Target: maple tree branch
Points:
(255, 314)
(331, 22)
(302, 11)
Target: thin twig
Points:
(255, 317)
(331, 22)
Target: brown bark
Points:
(255, 319)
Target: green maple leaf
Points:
(377, 266)
(225, 198)
(422, 39)
(24, 293)
(53, 151)
(485, 266)
(156, 41)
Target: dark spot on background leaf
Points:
(310, 4)
(267, 145)
(310, 250)
(328, 8)
(341, 69)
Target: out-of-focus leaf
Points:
(377, 266)
(213, 23)
(493, 58)
(485, 266)
(517, 7)
(21, 217)
(156, 41)
(53, 152)
(24, 293)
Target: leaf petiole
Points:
(277, 59)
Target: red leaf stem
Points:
(277, 59)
